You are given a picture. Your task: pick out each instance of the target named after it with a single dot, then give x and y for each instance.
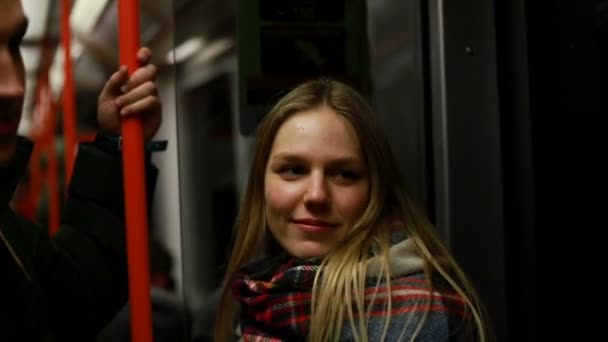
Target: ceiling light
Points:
(214, 49)
(85, 14)
(185, 50)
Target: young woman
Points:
(328, 245)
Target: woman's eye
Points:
(345, 176)
(291, 171)
(349, 175)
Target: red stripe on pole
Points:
(135, 185)
(69, 104)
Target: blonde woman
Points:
(328, 246)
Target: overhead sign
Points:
(283, 43)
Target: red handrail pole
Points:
(135, 185)
(69, 104)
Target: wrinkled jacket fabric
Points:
(72, 284)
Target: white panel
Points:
(166, 201)
(31, 57)
(57, 73)
(28, 105)
(85, 14)
(37, 13)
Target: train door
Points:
(429, 70)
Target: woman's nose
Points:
(316, 194)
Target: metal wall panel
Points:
(466, 139)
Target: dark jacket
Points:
(70, 285)
(169, 320)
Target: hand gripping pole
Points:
(135, 185)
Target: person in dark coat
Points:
(170, 317)
(66, 288)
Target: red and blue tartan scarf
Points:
(275, 296)
(275, 300)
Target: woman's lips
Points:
(314, 226)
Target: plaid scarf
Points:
(275, 296)
(275, 299)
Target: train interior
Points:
(492, 109)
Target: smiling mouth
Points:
(314, 226)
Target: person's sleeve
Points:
(84, 271)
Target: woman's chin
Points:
(308, 249)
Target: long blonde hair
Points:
(344, 268)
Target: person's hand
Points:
(135, 95)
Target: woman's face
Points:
(316, 184)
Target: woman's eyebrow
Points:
(291, 157)
(348, 160)
(286, 156)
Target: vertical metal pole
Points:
(69, 104)
(44, 135)
(467, 143)
(440, 120)
(135, 185)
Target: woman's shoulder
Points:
(414, 290)
(413, 301)
(440, 299)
